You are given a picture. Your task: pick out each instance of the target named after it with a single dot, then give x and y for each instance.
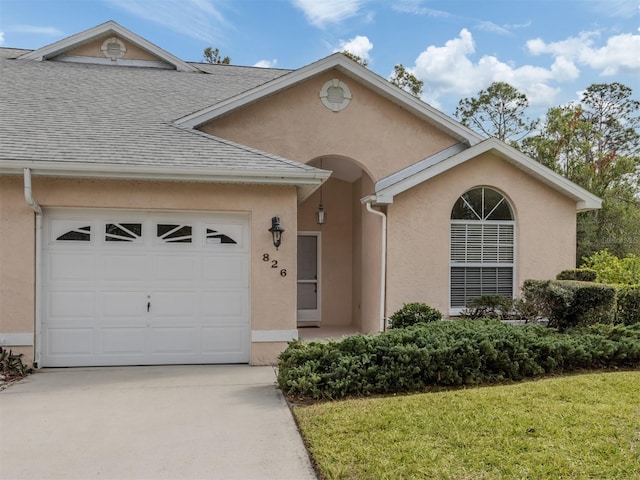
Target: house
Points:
(155, 211)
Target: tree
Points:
(498, 111)
(212, 55)
(406, 80)
(356, 58)
(596, 144)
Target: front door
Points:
(309, 298)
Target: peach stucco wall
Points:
(419, 222)
(94, 49)
(371, 130)
(273, 300)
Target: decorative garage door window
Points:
(173, 233)
(132, 233)
(79, 234)
(482, 247)
(122, 232)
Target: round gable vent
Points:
(335, 95)
(113, 48)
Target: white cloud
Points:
(321, 13)
(33, 29)
(619, 54)
(195, 18)
(358, 45)
(266, 63)
(1, 38)
(615, 8)
(450, 70)
(414, 7)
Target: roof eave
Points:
(305, 181)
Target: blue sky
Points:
(549, 49)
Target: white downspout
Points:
(383, 259)
(28, 196)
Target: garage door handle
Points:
(148, 306)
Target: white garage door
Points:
(142, 288)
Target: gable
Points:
(111, 44)
(112, 49)
(315, 118)
(431, 167)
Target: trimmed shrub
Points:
(579, 274)
(414, 314)
(567, 303)
(628, 305)
(489, 306)
(449, 353)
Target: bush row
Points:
(628, 304)
(567, 303)
(448, 353)
(579, 274)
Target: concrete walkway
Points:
(176, 422)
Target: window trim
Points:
(456, 311)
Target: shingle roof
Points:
(98, 114)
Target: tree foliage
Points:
(356, 58)
(406, 80)
(212, 55)
(498, 111)
(595, 143)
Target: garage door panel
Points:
(145, 288)
(70, 341)
(225, 271)
(123, 340)
(173, 268)
(63, 305)
(119, 304)
(174, 340)
(124, 268)
(224, 305)
(71, 267)
(229, 339)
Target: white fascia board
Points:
(419, 166)
(61, 46)
(584, 199)
(351, 69)
(306, 181)
(119, 62)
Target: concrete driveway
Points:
(177, 422)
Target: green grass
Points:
(577, 427)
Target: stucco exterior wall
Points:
(370, 248)
(273, 297)
(94, 49)
(419, 219)
(294, 123)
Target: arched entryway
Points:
(337, 286)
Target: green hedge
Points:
(448, 353)
(628, 304)
(413, 314)
(567, 303)
(579, 274)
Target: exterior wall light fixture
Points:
(277, 231)
(321, 215)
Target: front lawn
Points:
(583, 426)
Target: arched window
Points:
(482, 247)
